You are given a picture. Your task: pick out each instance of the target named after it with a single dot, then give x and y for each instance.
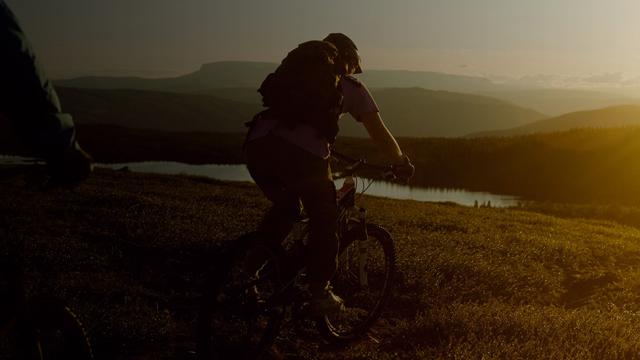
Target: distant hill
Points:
(422, 113)
(561, 101)
(238, 80)
(242, 94)
(552, 102)
(408, 112)
(428, 80)
(615, 116)
(417, 112)
(156, 110)
(226, 74)
(238, 74)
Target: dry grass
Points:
(128, 251)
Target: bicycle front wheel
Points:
(363, 279)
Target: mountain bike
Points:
(243, 312)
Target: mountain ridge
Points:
(248, 75)
(612, 116)
(251, 73)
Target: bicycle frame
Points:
(347, 223)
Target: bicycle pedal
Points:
(302, 311)
(256, 297)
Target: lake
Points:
(377, 188)
(240, 173)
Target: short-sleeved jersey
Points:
(356, 101)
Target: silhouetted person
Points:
(30, 103)
(289, 160)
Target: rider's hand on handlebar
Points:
(404, 170)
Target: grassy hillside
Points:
(128, 251)
(615, 116)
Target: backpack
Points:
(304, 89)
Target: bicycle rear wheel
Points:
(363, 279)
(233, 322)
(50, 330)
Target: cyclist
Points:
(291, 167)
(30, 103)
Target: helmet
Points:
(347, 50)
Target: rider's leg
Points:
(287, 174)
(262, 161)
(309, 178)
(319, 201)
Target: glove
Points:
(405, 170)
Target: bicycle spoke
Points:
(363, 281)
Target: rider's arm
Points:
(381, 136)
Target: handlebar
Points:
(353, 165)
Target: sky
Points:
(586, 41)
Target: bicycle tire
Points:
(229, 323)
(48, 329)
(365, 293)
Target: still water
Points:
(240, 173)
(377, 188)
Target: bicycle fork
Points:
(362, 251)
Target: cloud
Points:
(614, 80)
(537, 80)
(606, 78)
